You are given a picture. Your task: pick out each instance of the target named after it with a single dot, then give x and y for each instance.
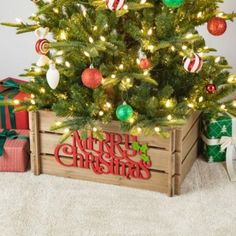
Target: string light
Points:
(172, 48)
(200, 99)
(217, 60)
(145, 73)
(150, 31)
(18, 20)
(126, 7)
(59, 60)
(184, 47)
(139, 130)
(199, 15)
(16, 102)
(32, 96)
(60, 53)
(143, 1)
(101, 113)
(131, 120)
(150, 47)
(169, 117)
(190, 105)
(66, 130)
(113, 76)
(86, 54)
(38, 69)
(95, 129)
(108, 104)
(231, 79)
(121, 66)
(42, 90)
(189, 35)
(33, 102)
(168, 103)
(223, 107)
(63, 35)
(157, 129)
(56, 10)
(58, 123)
(234, 103)
(67, 64)
(102, 38)
(91, 39)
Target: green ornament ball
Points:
(173, 3)
(124, 112)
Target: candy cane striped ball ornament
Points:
(115, 5)
(42, 46)
(193, 64)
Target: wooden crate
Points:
(171, 158)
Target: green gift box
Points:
(213, 128)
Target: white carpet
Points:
(52, 206)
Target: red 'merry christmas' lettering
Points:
(113, 155)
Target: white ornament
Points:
(43, 61)
(53, 76)
(115, 5)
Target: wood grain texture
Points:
(161, 159)
(158, 181)
(35, 143)
(171, 158)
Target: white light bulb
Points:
(53, 76)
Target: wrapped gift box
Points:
(9, 89)
(213, 128)
(14, 150)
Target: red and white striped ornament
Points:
(193, 64)
(42, 46)
(115, 5)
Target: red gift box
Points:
(16, 151)
(21, 119)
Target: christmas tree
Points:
(141, 62)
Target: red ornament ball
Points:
(42, 46)
(91, 78)
(216, 26)
(144, 64)
(211, 88)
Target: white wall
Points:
(17, 52)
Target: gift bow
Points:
(9, 134)
(11, 84)
(143, 149)
(226, 142)
(229, 144)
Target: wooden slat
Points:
(161, 159)
(47, 118)
(158, 181)
(35, 143)
(182, 168)
(190, 139)
(182, 133)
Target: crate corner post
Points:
(35, 143)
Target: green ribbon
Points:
(9, 134)
(12, 89)
(143, 149)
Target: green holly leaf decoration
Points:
(144, 148)
(136, 146)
